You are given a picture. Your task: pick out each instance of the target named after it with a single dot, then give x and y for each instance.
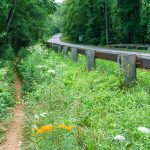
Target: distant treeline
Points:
(107, 21)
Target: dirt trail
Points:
(13, 135)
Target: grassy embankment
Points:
(81, 110)
(6, 95)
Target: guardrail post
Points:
(56, 48)
(59, 49)
(49, 45)
(90, 58)
(74, 54)
(148, 48)
(52, 45)
(136, 46)
(127, 67)
(65, 51)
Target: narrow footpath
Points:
(13, 136)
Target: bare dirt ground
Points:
(13, 136)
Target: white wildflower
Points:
(51, 71)
(34, 126)
(36, 116)
(43, 115)
(19, 144)
(144, 130)
(119, 138)
(3, 71)
(41, 66)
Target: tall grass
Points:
(58, 91)
(6, 95)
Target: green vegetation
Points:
(107, 21)
(67, 108)
(58, 91)
(24, 22)
(66, 39)
(6, 95)
(99, 22)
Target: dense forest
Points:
(23, 22)
(100, 22)
(107, 21)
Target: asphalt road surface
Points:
(56, 40)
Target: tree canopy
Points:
(22, 22)
(98, 22)
(125, 21)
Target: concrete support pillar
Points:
(65, 51)
(90, 60)
(127, 68)
(74, 54)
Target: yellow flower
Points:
(39, 131)
(47, 128)
(68, 128)
(61, 126)
(36, 129)
(42, 129)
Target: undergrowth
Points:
(6, 95)
(60, 93)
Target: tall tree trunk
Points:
(106, 22)
(10, 16)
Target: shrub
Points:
(6, 92)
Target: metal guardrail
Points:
(136, 46)
(127, 62)
(141, 61)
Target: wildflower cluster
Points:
(50, 71)
(68, 128)
(37, 116)
(49, 128)
(144, 130)
(141, 129)
(41, 66)
(43, 129)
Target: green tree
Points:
(84, 18)
(103, 21)
(129, 16)
(145, 21)
(4, 9)
(23, 22)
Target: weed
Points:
(92, 102)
